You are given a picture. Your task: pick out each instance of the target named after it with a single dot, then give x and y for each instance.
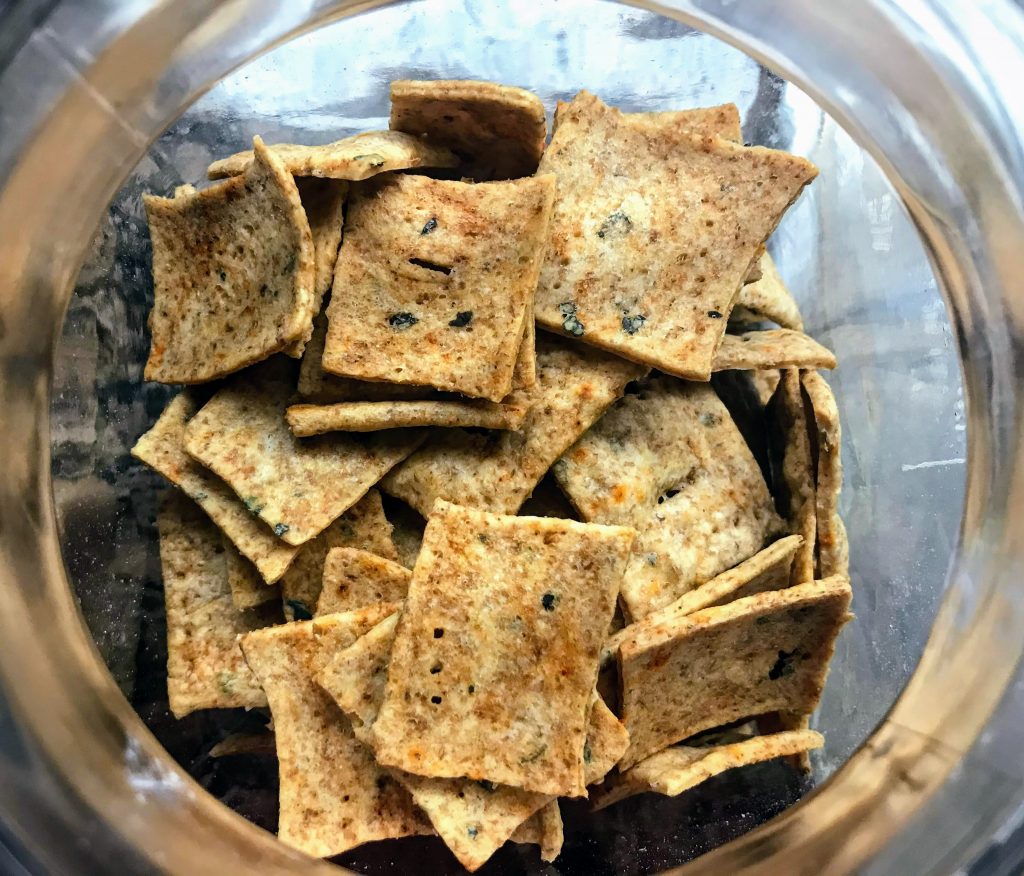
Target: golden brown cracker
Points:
(771, 348)
(247, 586)
(354, 578)
(544, 829)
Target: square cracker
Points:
(833, 547)
(435, 280)
(766, 299)
(497, 471)
(373, 416)
(794, 478)
(354, 578)
(244, 580)
(768, 570)
(771, 348)
(669, 461)
(654, 229)
(333, 795)
(205, 668)
(498, 130)
(323, 200)
(296, 487)
(163, 449)
(363, 526)
(353, 158)
(514, 611)
(233, 274)
(677, 769)
(763, 653)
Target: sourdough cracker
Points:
(233, 274)
(763, 653)
(497, 471)
(497, 602)
(497, 130)
(296, 487)
(765, 298)
(654, 229)
(680, 768)
(833, 547)
(435, 281)
(333, 796)
(669, 461)
(247, 586)
(205, 669)
(162, 448)
(544, 829)
(771, 348)
(363, 526)
(353, 158)
(354, 578)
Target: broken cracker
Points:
(205, 669)
(763, 653)
(771, 348)
(544, 829)
(333, 795)
(497, 471)
(794, 481)
(296, 487)
(766, 299)
(497, 603)
(354, 578)
(669, 461)
(372, 416)
(233, 274)
(163, 449)
(244, 580)
(363, 526)
(352, 158)
(654, 229)
(498, 130)
(833, 547)
(434, 282)
(680, 768)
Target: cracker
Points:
(514, 610)
(721, 121)
(498, 130)
(233, 274)
(833, 547)
(654, 229)
(205, 669)
(354, 578)
(678, 769)
(772, 348)
(363, 526)
(766, 299)
(765, 381)
(434, 282)
(544, 829)
(607, 740)
(763, 653)
(407, 532)
(244, 580)
(245, 743)
(497, 471)
(352, 158)
(163, 449)
(333, 796)
(296, 487)
(768, 570)
(323, 200)
(794, 482)
(373, 416)
(669, 461)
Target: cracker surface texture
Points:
(767, 299)
(247, 586)
(771, 348)
(233, 274)
(354, 578)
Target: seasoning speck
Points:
(462, 319)
(430, 226)
(402, 321)
(570, 322)
(616, 225)
(548, 600)
(632, 324)
(714, 314)
(281, 528)
(783, 666)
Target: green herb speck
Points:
(709, 419)
(534, 755)
(280, 529)
(616, 225)
(632, 324)
(588, 755)
(402, 321)
(252, 503)
(373, 159)
(570, 322)
(472, 832)
(300, 611)
(225, 682)
(430, 226)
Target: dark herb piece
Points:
(486, 785)
(472, 688)
(253, 505)
(709, 419)
(289, 265)
(280, 529)
(714, 314)
(402, 321)
(472, 832)
(668, 494)
(535, 755)
(431, 266)
(548, 600)
(632, 324)
(300, 611)
(462, 319)
(436, 668)
(588, 755)
(616, 225)
(783, 666)
(436, 700)
(430, 226)
(438, 632)
(373, 159)
(570, 323)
